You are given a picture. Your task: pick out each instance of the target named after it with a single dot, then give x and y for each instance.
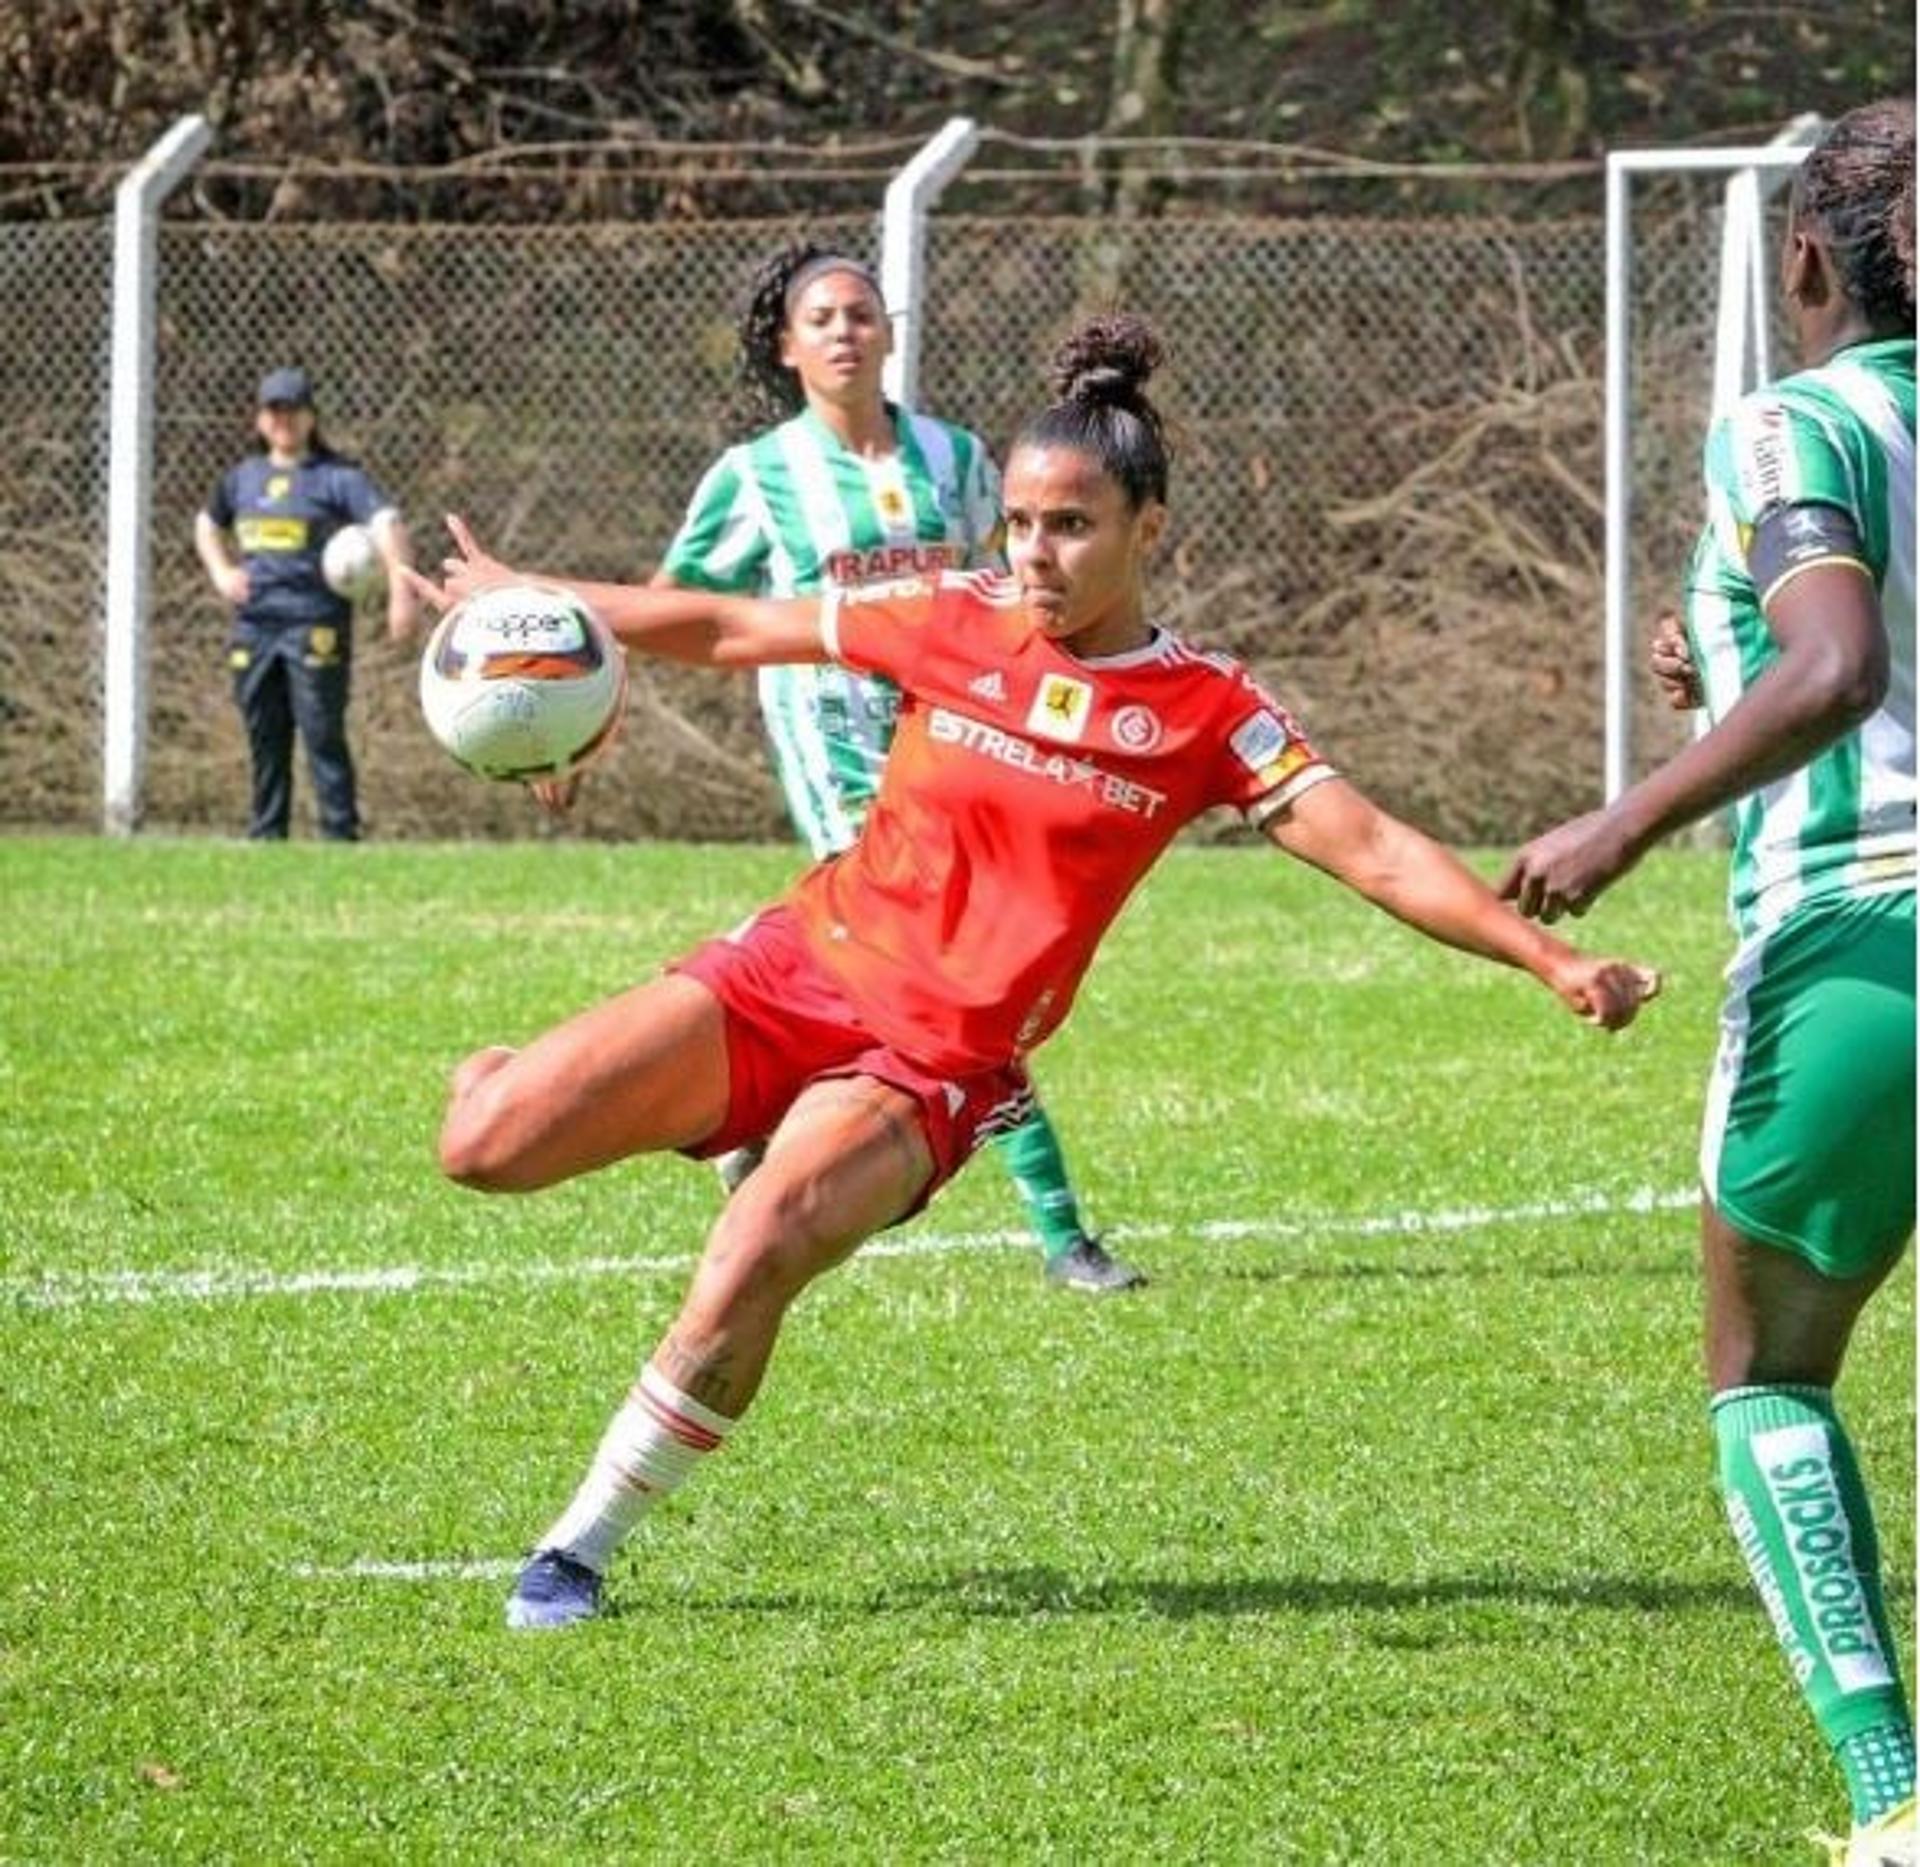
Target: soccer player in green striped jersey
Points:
(842, 486)
(1800, 626)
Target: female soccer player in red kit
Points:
(1052, 742)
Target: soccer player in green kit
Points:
(1800, 627)
(842, 486)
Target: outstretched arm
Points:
(1832, 674)
(700, 627)
(1336, 828)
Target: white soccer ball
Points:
(350, 562)
(520, 683)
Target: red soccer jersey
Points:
(1025, 794)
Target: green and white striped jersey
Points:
(1839, 435)
(793, 510)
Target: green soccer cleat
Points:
(734, 1167)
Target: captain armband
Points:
(1789, 539)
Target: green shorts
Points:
(1808, 1142)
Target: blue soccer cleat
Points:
(553, 1591)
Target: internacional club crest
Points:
(1136, 729)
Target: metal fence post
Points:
(903, 246)
(136, 248)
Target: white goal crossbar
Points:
(1741, 359)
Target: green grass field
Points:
(1381, 1529)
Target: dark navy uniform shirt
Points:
(281, 518)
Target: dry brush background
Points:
(1387, 495)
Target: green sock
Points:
(1800, 1514)
(1031, 1154)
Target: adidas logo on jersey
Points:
(989, 686)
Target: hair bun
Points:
(1106, 383)
(1106, 360)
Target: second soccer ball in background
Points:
(350, 563)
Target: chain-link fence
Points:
(1677, 220)
(1387, 496)
(56, 310)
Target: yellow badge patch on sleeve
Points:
(1293, 759)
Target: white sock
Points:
(654, 1442)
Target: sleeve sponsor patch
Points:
(1259, 740)
(1271, 745)
(1762, 454)
(1296, 756)
(1786, 539)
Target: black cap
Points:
(286, 388)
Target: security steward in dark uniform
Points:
(291, 649)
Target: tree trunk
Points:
(1146, 63)
(1125, 186)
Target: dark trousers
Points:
(288, 679)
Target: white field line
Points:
(231, 1283)
(371, 1569)
(1472, 1218)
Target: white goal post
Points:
(136, 221)
(903, 243)
(1741, 360)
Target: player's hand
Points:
(1606, 992)
(466, 571)
(555, 795)
(233, 583)
(474, 568)
(1565, 871)
(1671, 661)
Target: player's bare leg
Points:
(1776, 1335)
(642, 1071)
(1771, 1317)
(850, 1157)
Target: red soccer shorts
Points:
(790, 1024)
